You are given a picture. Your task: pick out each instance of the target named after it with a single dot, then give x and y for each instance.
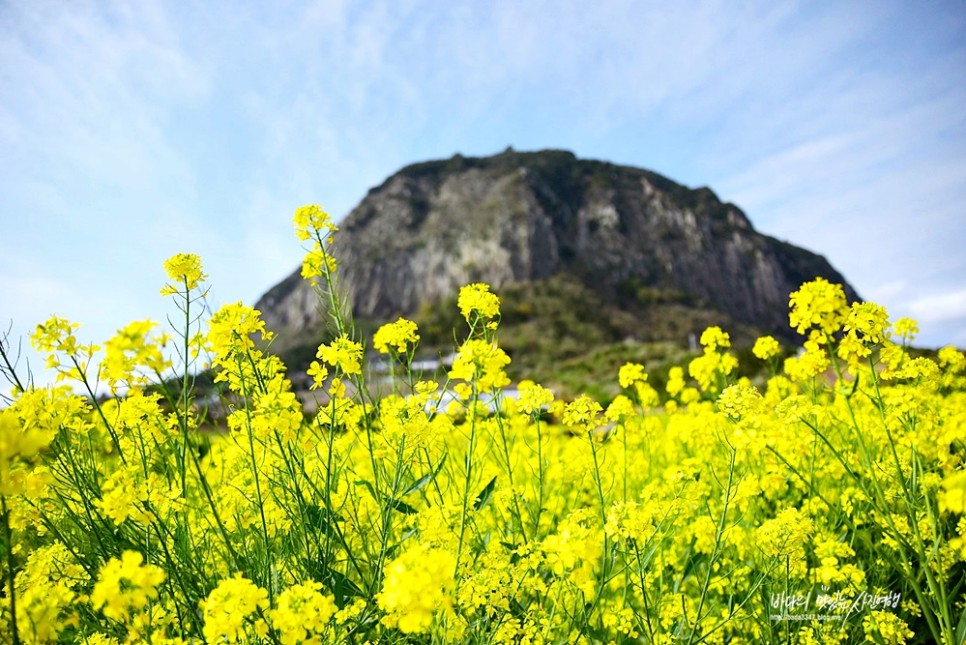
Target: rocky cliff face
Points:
(630, 235)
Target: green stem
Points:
(9, 371)
(597, 480)
(184, 386)
(509, 470)
(328, 479)
(8, 547)
(714, 551)
(97, 406)
(468, 465)
(388, 509)
(258, 485)
(640, 575)
(540, 478)
(206, 489)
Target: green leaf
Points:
(367, 484)
(401, 506)
(420, 483)
(341, 586)
(484, 497)
(395, 547)
(321, 519)
(961, 628)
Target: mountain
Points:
(615, 247)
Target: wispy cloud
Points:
(941, 307)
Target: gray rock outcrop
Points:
(627, 233)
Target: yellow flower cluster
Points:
(582, 414)
(342, 353)
(713, 367)
(302, 614)
(766, 347)
(417, 585)
(533, 397)
(399, 336)
(740, 400)
(312, 221)
(19, 445)
(56, 338)
(27, 429)
(47, 593)
(476, 299)
(132, 350)
(631, 373)
(229, 608)
(125, 585)
(444, 509)
(481, 362)
(883, 627)
(318, 262)
(185, 272)
(819, 305)
(231, 331)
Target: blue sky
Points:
(130, 131)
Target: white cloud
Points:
(940, 307)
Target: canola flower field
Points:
(825, 506)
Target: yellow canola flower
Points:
(533, 397)
(647, 395)
(319, 373)
(417, 584)
(18, 441)
(714, 338)
(318, 263)
(582, 414)
(337, 389)
(869, 320)
(481, 361)
(631, 373)
(765, 348)
(952, 497)
(818, 304)
(708, 368)
(55, 335)
(477, 298)
(302, 614)
(867, 325)
(133, 347)
(125, 586)
(531, 549)
(231, 328)
(229, 606)
(184, 269)
(46, 596)
(101, 639)
(812, 362)
(885, 627)
(739, 400)
(906, 328)
(675, 380)
(620, 408)
(852, 350)
(952, 359)
(783, 539)
(312, 219)
(343, 353)
(573, 551)
(397, 336)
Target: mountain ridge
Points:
(639, 243)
